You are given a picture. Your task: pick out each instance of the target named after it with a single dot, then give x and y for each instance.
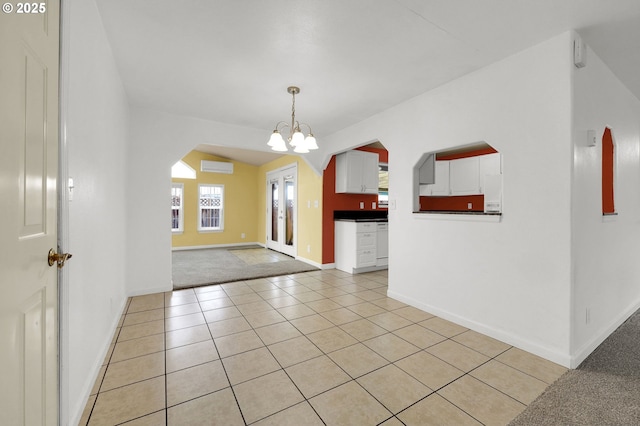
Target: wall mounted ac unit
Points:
(216, 167)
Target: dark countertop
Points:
(364, 220)
(361, 215)
(457, 212)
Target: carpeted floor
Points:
(603, 390)
(193, 268)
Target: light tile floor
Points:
(322, 347)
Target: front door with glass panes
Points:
(282, 210)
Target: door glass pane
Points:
(289, 203)
(274, 210)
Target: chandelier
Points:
(296, 139)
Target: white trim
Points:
(215, 246)
(328, 266)
(459, 217)
(222, 208)
(509, 338)
(151, 290)
(582, 353)
(65, 414)
(180, 209)
(279, 174)
(309, 261)
(76, 412)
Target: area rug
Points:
(603, 390)
(193, 268)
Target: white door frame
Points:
(64, 189)
(279, 174)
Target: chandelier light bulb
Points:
(275, 139)
(280, 146)
(296, 139)
(310, 142)
(301, 148)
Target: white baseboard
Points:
(328, 266)
(509, 338)
(582, 353)
(76, 412)
(309, 261)
(215, 246)
(151, 290)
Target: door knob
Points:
(60, 258)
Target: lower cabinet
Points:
(356, 247)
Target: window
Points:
(183, 171)
(210, 212)
(383, 184)
(177, 199)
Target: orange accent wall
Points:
(607, 173)
(332, 202)
(475, 153)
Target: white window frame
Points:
(179, 208)
(220, 226)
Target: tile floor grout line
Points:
(110, 355)
(282, 368)
(385, 309)
(223, 368)
(166, 375)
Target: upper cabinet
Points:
(357, 172)
(440, 187)
(464, 176)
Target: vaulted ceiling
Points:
(232, 60)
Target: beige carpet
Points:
(193, 268)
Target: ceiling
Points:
(231, 61)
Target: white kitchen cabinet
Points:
(382, 244)
(464, 176)
(440, 187)
(490, 165)
(356, 246)
(357, 172)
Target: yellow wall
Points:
(240, 204)
(309, 216)
(245, 193)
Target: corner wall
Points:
(157, 141)
(606, 285)
(510, 280)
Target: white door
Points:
(28, 176)
(282, 209)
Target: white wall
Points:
(95, 113)
(607, 277)
(510, 280)
(158, 140)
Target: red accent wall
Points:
(453, 204)
(607, 173)
(474, 153)
(332, 202)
